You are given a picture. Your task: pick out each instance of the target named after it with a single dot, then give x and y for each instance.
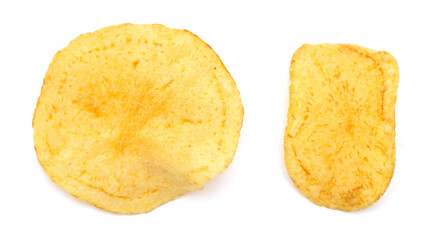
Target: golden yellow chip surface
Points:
(133, 116)
(340, 135)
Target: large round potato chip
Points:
(133, 116)
(340, 137)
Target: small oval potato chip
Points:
(340, 136)
(133, 116)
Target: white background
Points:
(254, 198)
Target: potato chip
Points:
(133, 116)
(340, 137)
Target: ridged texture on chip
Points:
(340, 136)
(133, 116)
